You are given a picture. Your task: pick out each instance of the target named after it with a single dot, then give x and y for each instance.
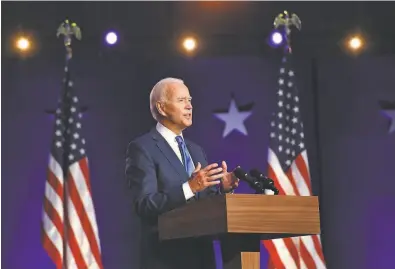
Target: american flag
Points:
(69, 229)
(289, 168)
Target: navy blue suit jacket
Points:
(155, 176)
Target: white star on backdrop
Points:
(234, 119)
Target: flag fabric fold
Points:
(69, 230)
(289, 168)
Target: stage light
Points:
(355, 43)
(276, 39)
(189, 44)
(111, 38)
(22, 44)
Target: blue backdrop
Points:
(351, 154)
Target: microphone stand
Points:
(265, 184)
(258, 186)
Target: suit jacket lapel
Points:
(169, 154)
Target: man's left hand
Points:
(229, 181)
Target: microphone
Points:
(268, 183)
(253, 182)
(257, 174)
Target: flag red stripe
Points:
(292, 250)
(301, 164)
(85, 222)
(273, 176)
(270, 264)
(53, 215)
(51, 249)
(73, 244)
(55, 183)
(303, 169)
(276, 260)
(318, 247)
(306, 256)
(85, 171)
(292, 180)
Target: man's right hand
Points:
(206, 177)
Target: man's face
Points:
(178, 108)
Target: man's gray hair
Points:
(158, 93)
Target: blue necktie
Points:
(186, 157)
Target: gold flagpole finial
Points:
(68, 30)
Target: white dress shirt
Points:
(170, 137)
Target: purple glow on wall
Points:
(356, 152)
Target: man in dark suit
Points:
(166, 171)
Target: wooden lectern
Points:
(240, 221)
